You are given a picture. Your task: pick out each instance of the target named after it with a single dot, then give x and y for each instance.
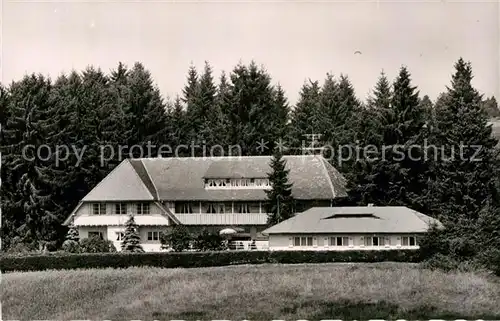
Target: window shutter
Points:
(315, 242)
(351, 242)
(325, 242)
(362, 242)
(290, 241)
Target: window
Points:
(243, 208)
(408, 241)
(121, 208)
(303, 241)
(154, 236)
(214, 208)
(374, 241)
(339, 241)
(99, 208)
(211, 209)
(119, 236)
(95, 234)
(183, 208)
(236, 182)
(143, 208)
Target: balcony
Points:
(223, 219)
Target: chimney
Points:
(370, 205)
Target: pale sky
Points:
(293, 40)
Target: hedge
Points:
(196, 259)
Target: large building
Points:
(351, 228)
(199, 192)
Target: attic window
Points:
(237, 183)
(358, 215)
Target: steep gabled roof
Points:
(363, 219)
(177, 179)
(183, 178)
(123, 184)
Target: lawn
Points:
(261, 292)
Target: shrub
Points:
(131, 238)
(463, 247)
(206, 241)
(72, 234)
(178, 239)
(441, 262)
(96, 245)
(19, 248)
(490, 258)
(196, 259)
(71, 246)
(432, 243)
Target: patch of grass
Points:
(255, 292)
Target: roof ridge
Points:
(140, 178)
(151, 180)
(322, 161)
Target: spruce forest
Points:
(90, 109)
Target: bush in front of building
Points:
(96, 244)
(71, 246)
(177, 239)
(197, 259)
(206, 241)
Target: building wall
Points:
(110, 233)
(321, 242)
(83, 231)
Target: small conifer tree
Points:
(131, 238)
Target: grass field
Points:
(263, 292)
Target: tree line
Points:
(89, 109)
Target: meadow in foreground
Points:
(261, 292)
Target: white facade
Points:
(342, 242)
(112, 233)
(110, 225)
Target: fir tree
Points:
(340, 108)
(464, 167)
(427, 106)
(72, 234)
(26, 195)
(71, 244)
(224, 105)
(282, 110)
(305, 116)
(252, 115)
(177, 124)
(131, 238)
(393, 173)
(145, 112)
(190, 91)
(208, 113)
(491, 107)
(280, 202)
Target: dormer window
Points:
(235, 183)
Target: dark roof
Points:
(179, 179)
